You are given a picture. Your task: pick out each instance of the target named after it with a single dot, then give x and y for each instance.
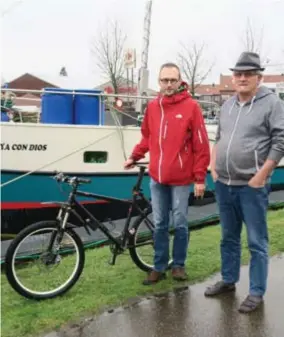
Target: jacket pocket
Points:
(180, 161)
(165, 130)
(200, 136)
(221, 166)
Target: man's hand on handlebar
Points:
(129, 164)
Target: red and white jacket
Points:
(173, 131)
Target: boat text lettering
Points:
(23, 147)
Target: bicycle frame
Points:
(92, 222)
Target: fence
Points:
(123, 105)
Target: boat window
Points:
(95, 157)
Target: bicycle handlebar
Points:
(142, 164)
(138, 163)
(60, 177)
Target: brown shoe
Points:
(154, 277)
(179, 274)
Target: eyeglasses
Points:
(167, 80)
(245, 73)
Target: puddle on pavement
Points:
(186, 312)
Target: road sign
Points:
(130, 59)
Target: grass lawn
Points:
(102, 286)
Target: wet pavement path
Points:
(187, 313)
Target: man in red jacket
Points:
(174, 133)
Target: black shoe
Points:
(251, 303)
(220, 288)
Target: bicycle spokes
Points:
(43, 267)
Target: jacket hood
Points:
(181, 94)
(263, 93)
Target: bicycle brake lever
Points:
(59, 176)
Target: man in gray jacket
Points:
(249, 145)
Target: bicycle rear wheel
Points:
(29, 264)
(141, 243)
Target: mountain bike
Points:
(30, 257)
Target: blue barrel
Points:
(57, 108)
(4, 117)
(88, 110)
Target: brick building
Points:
(29, 82)
(224, 89)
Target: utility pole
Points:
(143, 76)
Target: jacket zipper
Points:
(230, 143)
(256, 160)
(160, 142)
(165, 130)
(180, 161)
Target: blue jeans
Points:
(164, 199)
(238, 204)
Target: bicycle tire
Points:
(133, 248)
(9, 270)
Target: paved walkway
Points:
(188, 313)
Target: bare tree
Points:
(107, 49)
(194, 68)
(253, 41)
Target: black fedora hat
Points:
(248, 61)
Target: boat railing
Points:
(120, 104)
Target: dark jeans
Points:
(238, 204)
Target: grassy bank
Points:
(101, 285)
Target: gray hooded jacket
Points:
(249, 134)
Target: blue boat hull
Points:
(21, 200)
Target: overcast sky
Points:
(40, 36)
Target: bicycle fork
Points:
(62, 219)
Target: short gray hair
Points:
(170, 65)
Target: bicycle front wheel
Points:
(141, 243)
(40, 264)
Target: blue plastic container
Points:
(4, 117)
(57, 108)
(88, 110)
